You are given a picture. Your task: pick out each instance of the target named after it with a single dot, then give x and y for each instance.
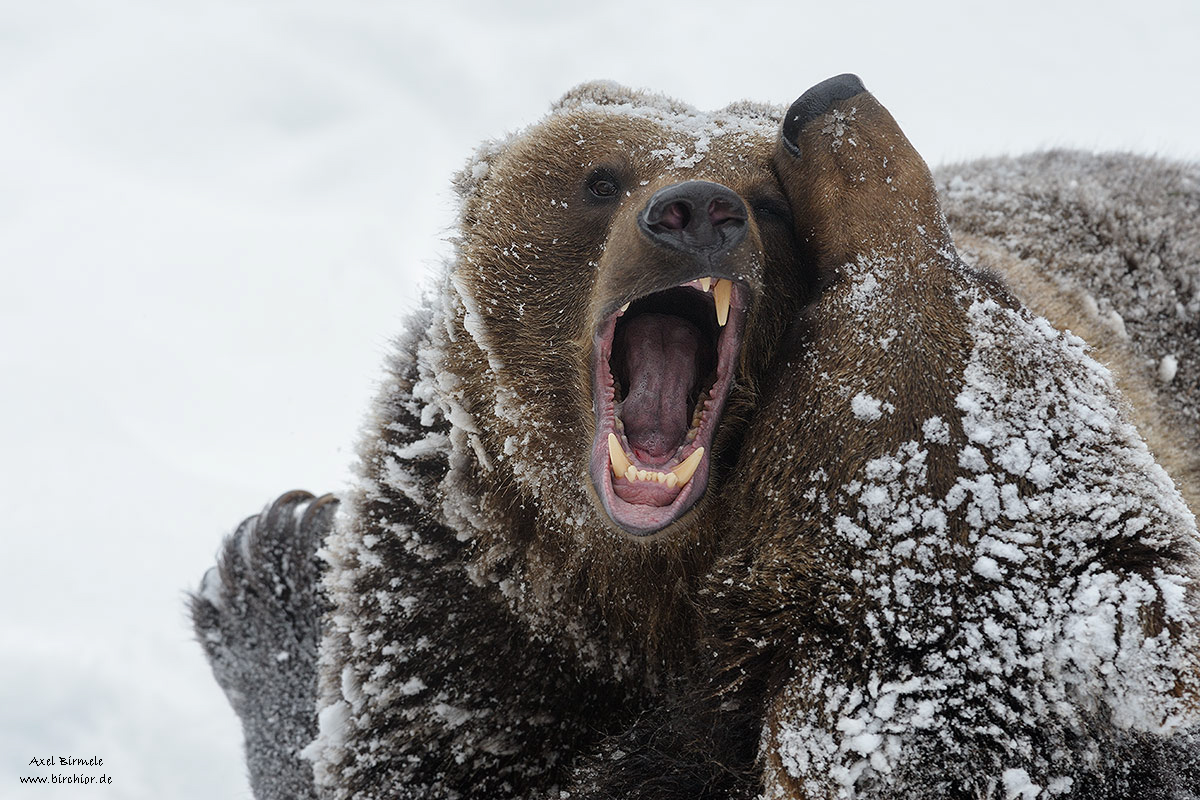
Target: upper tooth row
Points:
(722, 291)
(679, 476)
(703, 406)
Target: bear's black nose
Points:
(695, 216)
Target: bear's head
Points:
(625, 269)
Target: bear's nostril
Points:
(721, 212)
(675, 217)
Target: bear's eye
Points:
(771, 210)
(603, 184)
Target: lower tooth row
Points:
(669, 478)
(677, 477)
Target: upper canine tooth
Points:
(705, 283)
(616, 455)
(624, 308)
(721, 293)
(687, 469)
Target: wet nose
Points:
(695, 216)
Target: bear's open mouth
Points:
(662, 369)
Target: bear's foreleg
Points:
(258, 616)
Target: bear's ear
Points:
(602, 93)
(469, 180)
(609, 93)
(854, 181)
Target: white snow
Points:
(1167, 368)
(1018, 786)
(215, 214)
(332, 724)
(865, 407)
(988, 568)
(936, 430)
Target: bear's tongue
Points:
(660, 364)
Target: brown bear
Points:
(711, 470)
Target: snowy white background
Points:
(214, 213)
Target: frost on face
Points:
(1046, 590)
(696, 132)
(744, 123)
(837, 125)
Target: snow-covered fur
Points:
(937, 559)
(1107, 246)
